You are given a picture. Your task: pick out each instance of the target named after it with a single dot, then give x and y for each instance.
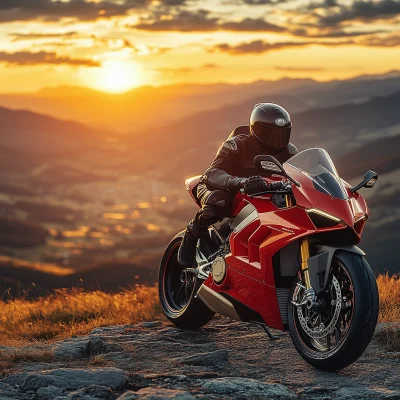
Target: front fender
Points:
(320, 264)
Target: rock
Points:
(119, 329)
(72, 379)
(92, 393)
(16, 379)
(153, 324)
(9, 392)
(214, 358)
(26, 367)
(357, 392)
(156, 394)
(78, 347)
(118, 357)
(49, 392)
(248, 387)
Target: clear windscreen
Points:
(319, 167)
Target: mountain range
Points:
(147, 107)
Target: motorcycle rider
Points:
(233, 168)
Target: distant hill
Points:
(380, 155)
(41, 134)
(37, 280)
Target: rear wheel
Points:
(177, 289)
(336, 334)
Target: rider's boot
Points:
(187, 249)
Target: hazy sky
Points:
(117, 44)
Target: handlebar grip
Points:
(276, 185)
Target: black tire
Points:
(365, 308)
(192, 315)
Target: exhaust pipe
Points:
(217, 303)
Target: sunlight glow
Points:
(119, 76)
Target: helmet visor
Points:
(273, 137)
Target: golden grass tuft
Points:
(389, 312)
(389, 298)
(100, 361)
(74, 312)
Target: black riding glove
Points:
(281, 185)
(254, 184)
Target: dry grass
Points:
(389, 312)
(389, 296)
(74, 312)
(10, 359)
(100, 361)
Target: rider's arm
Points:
(225, 164)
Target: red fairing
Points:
(250, 270)
(250, 275)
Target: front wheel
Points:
(177, 290)
(335, 334)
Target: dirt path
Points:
(225, 360)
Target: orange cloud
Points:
(43, 57)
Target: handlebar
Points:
(280, 187)
(242, 191)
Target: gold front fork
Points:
(304, 250)
(305, 255)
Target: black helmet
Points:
(271, 125)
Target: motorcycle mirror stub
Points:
(371, 183)
(265, 163)
(368, 182)
(270, 166)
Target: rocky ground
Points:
(225, 360)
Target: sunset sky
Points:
(115, 45)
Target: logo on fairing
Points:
(281, 121)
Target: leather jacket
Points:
(235, 158)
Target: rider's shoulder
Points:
(236, 139)
(292, 149)
(239, 135)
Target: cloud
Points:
(382, 41)
(257, 46)
(361, 10)
(331, 33)
(257, 2)
(39, 35)
(43, 57)
(260, 46)
(184, 70)
(299, 69)
(84, 10)
(201, 21)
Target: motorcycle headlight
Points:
(322, 219)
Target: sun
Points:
(119, 76)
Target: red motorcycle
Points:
(286, 260)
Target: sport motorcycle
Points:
(285, 259)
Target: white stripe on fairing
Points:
(253, 264)
(250, 218)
